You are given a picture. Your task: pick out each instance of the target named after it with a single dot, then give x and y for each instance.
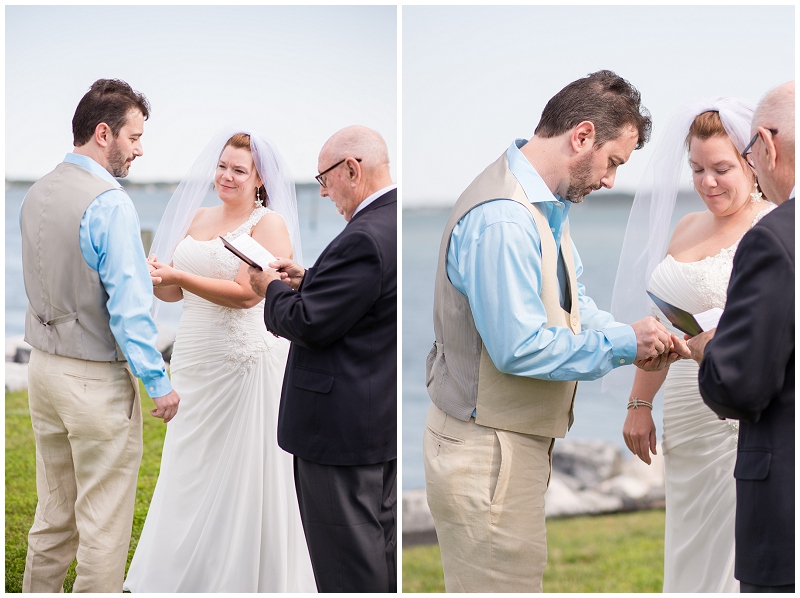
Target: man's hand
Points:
(151, 266)
(652, 339)
(291, 273)
(677, 350)
(260, 279)
(166, 406)
(697, 344)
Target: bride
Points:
(699, 449)
(224, 514)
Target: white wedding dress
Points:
(224, 514)
(699, 448)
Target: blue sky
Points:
(295, 74)
(476, 77)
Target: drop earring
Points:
(258, 197)
(756, 195)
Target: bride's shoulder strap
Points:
(246, 227)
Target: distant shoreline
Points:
(597, 198)
(153, 185)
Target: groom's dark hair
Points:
(107, 101)
(603, 98)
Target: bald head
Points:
(773, 153)
(363, 170)
(776, 111)
(360, 142)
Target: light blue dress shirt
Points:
(495, 259)
(111, 245)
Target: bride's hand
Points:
(639, 432)
(162, 275)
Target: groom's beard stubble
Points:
(580, 184)
(117, 161)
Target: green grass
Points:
(609, 553)
(21, 483)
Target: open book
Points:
(250, 251)
(686, 322)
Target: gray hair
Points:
(359, 142)
(776, 110)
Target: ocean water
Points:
(598, 227)
(319, 224)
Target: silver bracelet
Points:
(636, 401)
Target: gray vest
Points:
(67, 312)
(460, 373)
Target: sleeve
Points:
(744, 365)
(115, 251)
(345, 284)
(497, 264)
(593, 318)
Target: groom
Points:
(89, 295)
(514, 332)
(338, 412)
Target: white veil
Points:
(192, 190)
(648, 231)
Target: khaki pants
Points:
(486, 494)
(87, 421)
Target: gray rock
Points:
(22, 355)
(416, 514)
(16, 376)
(14, 344)
(562, 501)
(589, 461)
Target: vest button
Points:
(622, 360)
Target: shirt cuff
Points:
(158, 386)
(623, 345)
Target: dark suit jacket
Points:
(747, 373)
(339, 397)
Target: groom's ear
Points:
(582, 136)
(103, 135)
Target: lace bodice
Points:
(224, 264)
(240, 329)
(697, 286)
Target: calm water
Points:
(598, 226)
(319, 224)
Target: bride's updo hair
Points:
(707, 125)
(242, 141)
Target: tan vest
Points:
(460, 373)
(67, 312)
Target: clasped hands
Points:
(284, 269)
(161, 275)
(656, 348)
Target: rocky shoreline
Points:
(590, 477)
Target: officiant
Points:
(338, 412)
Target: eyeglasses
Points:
(321, 180)
(747, 153)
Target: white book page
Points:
(709, 319)
(254, 250)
